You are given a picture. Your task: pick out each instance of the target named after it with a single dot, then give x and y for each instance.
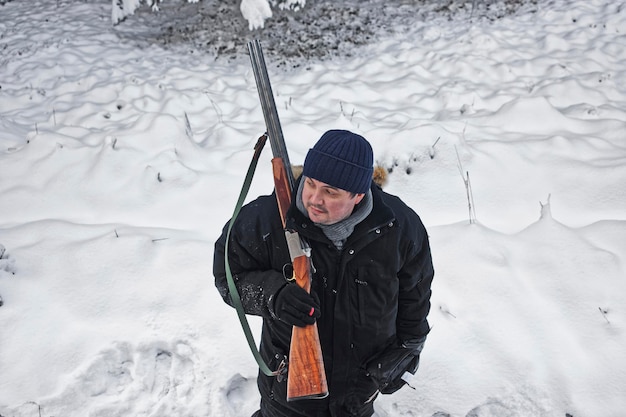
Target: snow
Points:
(122, 150)
(254, 11)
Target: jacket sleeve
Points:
(415, 276)
(250, 263)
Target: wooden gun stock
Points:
(306, 378)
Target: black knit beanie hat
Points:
(341, 159)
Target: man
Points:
(370, 286)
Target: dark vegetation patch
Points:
(321, 30)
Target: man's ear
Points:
(359, 197)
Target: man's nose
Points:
(317, 198)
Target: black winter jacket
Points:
(373, 293)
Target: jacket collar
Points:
(381, 215)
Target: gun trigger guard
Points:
(288, 273)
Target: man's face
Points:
(326, 204)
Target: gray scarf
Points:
(339, 232)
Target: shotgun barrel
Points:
(272, 123)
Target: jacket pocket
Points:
(376, 295)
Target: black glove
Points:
(388, 367)
(293, 305)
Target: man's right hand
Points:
(293, 305)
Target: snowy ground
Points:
(122, 150)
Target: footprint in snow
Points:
(241, 395)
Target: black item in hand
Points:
(388, 368)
